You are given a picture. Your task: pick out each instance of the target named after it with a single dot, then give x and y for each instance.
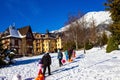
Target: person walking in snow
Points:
(40, 75)
(66, 55)
(46, 60)
(70, 54)
(73, 54)
(60, 56)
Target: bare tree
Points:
(84, 32)
(79, 31)
(93, 32)
(73, 30)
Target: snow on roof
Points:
(21, 35)
(13, 32)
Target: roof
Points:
(24, 30)
(11, 31)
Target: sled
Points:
(63, 61)
(40, 77)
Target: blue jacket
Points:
(60, 55)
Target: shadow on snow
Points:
(64, 69)
(77, 59)
(102, 62)
(28, 61)
(29, 79)
(80, 56)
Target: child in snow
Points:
(66, 55)
(40, 67)
(40, 74)
(73, 54)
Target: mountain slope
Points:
(101, 17)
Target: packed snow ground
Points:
(96, 64)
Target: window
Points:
(16, 42)
(29, 35)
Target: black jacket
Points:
(46, 60)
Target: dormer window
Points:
(29, 35)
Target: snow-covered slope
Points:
(101, 17)
(96, 64)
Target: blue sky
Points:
(43, 14)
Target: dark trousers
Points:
(60, 62)
(70, 55)
(44, 70)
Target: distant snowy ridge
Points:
(100, 17)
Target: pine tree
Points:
(104, 39)
(1, 46)
(112, 45)
(114, 7)
(1, 54)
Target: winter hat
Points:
(40, 62)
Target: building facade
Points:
(19, 39)
(26, 42)
(11, 39)
(48, 42)
(38, 43)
